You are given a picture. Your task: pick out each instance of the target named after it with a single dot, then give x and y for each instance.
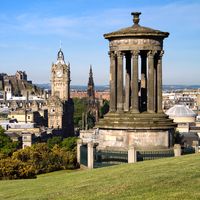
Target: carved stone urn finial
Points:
(136, 18)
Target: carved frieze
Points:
(136, 43)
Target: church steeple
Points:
(90, 90)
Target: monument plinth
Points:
(136, 116)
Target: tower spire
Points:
(91, 80)
(60, 57)
(90, 90)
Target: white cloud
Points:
(171, 15)
(180, 19)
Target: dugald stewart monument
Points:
(136, 117)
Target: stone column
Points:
(79, 144)
(86, 121)
(151, 86)
(159, 83)
(90, 155)
(120, 81)
(143, 82)
(132, 155)
(177, 150)
(5, 97)
(127, 83)
(112, 82)
(195, 145)
(134, 94)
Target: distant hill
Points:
(180, 87)
(105, 87)
(164, 179)
(75, 87)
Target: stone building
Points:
(186, 100)
(60, 105)
(21, 75)
(2, 75)
(8, 90)
(183, 116)
(18, 85)
(187, 125)
(136, 117)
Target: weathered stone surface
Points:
(60, 105)
(138, 119)
(145, 139)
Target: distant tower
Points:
(7, 89)
(60, 78)
(21, 75)
(91, 90)
(60, 105)
(93, 104)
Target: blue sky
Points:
(30, 33)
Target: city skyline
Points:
(31, 32)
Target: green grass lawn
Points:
(171, 178)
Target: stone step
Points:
(121, 120)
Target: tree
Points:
(7, 146)
(15, 169)
(69, 144)
(38, 159)
(80, 106)
(53, 141)
(177, 137)
(105, 108)
(90, 120)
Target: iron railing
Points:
(83, 155)
(154, 154)
(108, 158)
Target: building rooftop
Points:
(180, 111)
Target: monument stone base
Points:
(149, 131)
(123, 139)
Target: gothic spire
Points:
(91, 81)
(90, 90)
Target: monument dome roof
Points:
(136, 30)
(60, 58)
(180, 111)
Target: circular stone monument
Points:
(136, 116)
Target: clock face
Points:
(59, 73)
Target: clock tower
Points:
(60, 105)
(60, 78)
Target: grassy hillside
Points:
(171, 178)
